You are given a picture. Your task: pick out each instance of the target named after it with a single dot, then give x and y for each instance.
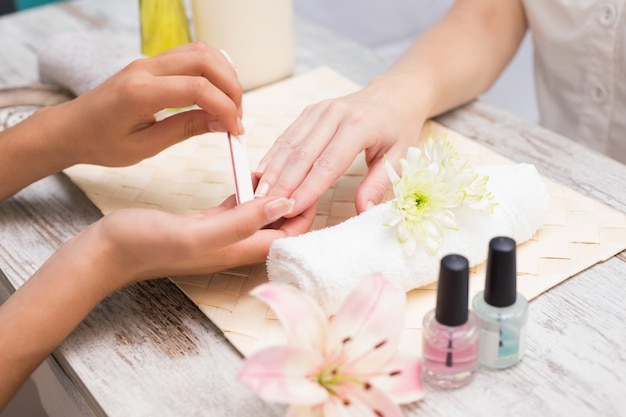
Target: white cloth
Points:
(328, 263)
(81, 61)
(580, 70)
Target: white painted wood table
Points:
(148, 351)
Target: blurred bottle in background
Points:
(164, 25)
(258, 35)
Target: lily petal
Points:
(367, 328)
(303, 319)
(283, 374)
(305, 411)
(336, 408)
(363, 402)
(401, 379)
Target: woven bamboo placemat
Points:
(577, 233)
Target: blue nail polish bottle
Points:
(502, 311)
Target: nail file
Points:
(241, 168)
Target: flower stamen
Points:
(434, 182)
(333, 366)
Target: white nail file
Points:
(241, 168)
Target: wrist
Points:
(42, 141)
(95, 259)
(405, 104)
(54, 137)
(49, 306)
(29, 151)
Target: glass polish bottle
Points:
(502, 311)
(163, 24)
(450, 331)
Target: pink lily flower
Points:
(346, 367)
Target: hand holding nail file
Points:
(241, 168)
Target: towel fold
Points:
(328, 263)
(82, 61)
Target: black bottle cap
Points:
(453, 291)
(501, 276)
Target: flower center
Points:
(419, 200)
(329, 379)
(433, 183)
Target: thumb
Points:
(373, 188)
(182, 126)
(232, 225)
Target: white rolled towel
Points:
(328, 263)
(81, 61)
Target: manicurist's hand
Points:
(140, 244)
(114, 124)
(126, 246)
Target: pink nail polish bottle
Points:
(450, 332)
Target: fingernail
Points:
(242, 130)
(276, 209)
(262, 189)
(216, 126)
(369, 205)
(228, 58)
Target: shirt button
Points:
(598, 92)
(607, 15)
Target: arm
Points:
(114, 124)
(452, 63)
(121, 248)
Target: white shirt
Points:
(580, 70)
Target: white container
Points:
(258, 35)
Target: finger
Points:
(154, 94)
(257, 246)
(199, 59)
(229, 202)
(163, 134)
(335, 159)
(373, 188)
(252, 250)
(255, 177)
(376, 184)
(301, 223)
(229, 226)
(278, 157)
(294, 160)
(294, 133)
(158, 136)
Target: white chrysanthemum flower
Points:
(433, 183)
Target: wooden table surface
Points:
(148, 351)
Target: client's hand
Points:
(327, 137)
